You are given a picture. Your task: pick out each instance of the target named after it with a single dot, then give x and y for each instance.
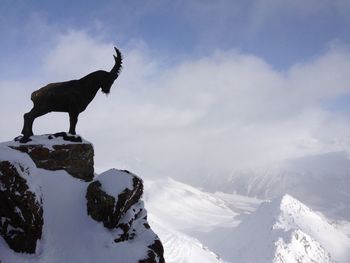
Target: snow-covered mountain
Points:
(285, 230)
(239, 229)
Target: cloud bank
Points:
(213, 114)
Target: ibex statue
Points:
(70, 96)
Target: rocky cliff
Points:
(53, 208)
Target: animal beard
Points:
(106, 92)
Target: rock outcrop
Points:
(114, 200)
(107, 208)
(73, 155)
(21, 212)
(29, 174)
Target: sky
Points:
(207, 87)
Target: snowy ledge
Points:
(49, 140)
(54, 152)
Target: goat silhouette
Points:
(70, 96)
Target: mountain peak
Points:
(286, 230)
(292, 214)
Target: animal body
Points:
(70, 96)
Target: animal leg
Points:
(27, 130)
(73, 119)
(29, 118)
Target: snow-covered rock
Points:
(111, 195)
(52, 152)
(68, 234)
(21, 211)
(114, 200)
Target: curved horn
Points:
(118, 63)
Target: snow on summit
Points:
(285, 230)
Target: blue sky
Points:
(207, 84)
(281, 32)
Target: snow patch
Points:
(115, 181)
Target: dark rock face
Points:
(21, 212)
(124, 211)
(76, 159)
(153, 253)
(132, 222)
(100, 206)
(108, 209)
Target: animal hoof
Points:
(60, 134)
(67, 137)
(18, 138)
(22, 139)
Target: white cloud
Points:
(14, 102)
(76, 54)
(213, 114)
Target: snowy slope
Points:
(185, 218)
(284, 230)
(174, 210)
(180, 247)
(186, 207)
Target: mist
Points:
(213, 114)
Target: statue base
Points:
(64, 135)
(60, 151)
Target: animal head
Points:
(114, 73)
